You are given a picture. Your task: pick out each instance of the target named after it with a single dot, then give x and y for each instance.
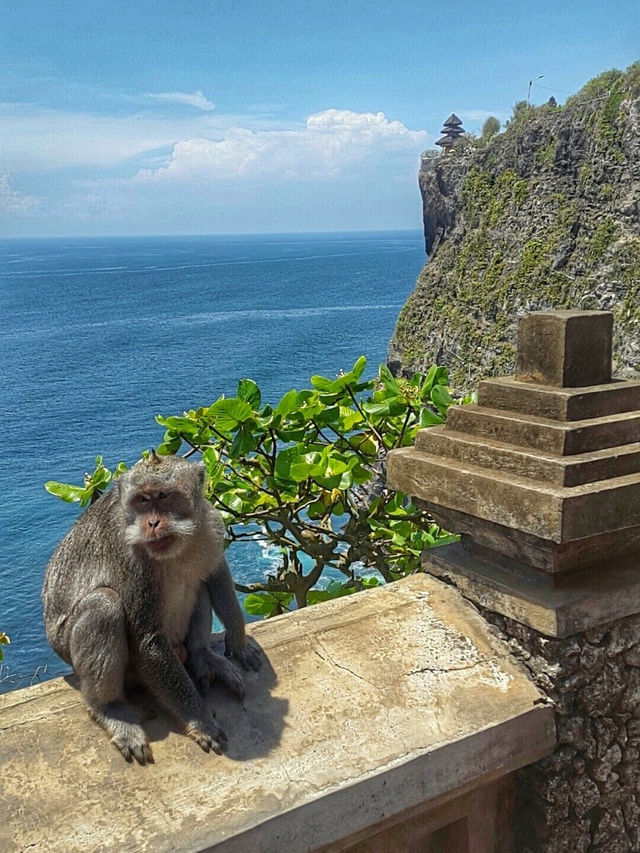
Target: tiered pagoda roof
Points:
(451, 131)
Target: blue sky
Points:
(213, 116)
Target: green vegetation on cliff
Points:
(543, 215)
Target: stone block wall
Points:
(585, 796)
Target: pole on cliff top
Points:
(539, 77)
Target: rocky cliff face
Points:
(546, 215)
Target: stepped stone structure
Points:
(542, 480)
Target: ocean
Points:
(101, 334)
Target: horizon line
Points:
(210, 234)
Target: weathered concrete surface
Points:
(562, 404)
(576, 603)
(555, 559)
(534, 464)
(565, 348)
(546, 434)
(532, 506)
(370, 705)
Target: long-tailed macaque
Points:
(128, 595)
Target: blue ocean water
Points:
(101, 334)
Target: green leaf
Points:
(259, 604)
(299, 471)
(249, 392)
(228, 413)
(267, 603)
(169, 448)
(315, 596)
(287, 404)
(285, 459)
(68, 493)
(429, 418)
(388, 379)
(446, 539)
(322, 383)
(243, 442)
(376, 408)
(4, 641)
(441, 399)
(427, 385)
(316, 510)
(359, 366)
(184, 425)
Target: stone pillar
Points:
(542, 480)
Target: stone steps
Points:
(576, 470)
(562, 404)
(543, 509)
(545, 434)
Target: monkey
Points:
(127, 599)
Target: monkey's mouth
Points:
(160, 544)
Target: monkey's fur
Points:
(127, 599)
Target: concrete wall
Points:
(378, 720)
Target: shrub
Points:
(307, 476)
(490, 128)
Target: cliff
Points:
(545, 215)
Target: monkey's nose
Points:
(153, 523)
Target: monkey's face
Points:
(162, 498)
(159, 520)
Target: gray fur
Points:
(127, 599)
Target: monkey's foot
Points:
(207, 735)
(206, 666)
(121, 722)
(249, 657)
(132, 743)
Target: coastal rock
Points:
(544, 215)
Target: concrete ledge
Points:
(564, 438)
(370, 706)
(561, 404)
(532, 506)
(579, 602)
(576, 470)
(552, 558)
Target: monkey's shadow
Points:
(253, 725)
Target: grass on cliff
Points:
(538, 226)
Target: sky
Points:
(247, 116)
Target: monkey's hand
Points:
(207, 735)
(248, 657)
(205, 667)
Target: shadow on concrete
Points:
(253, 725)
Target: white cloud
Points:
(327, 143)
(37, 139)
(13, 201)
(197, 99)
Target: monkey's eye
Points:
(142, 499)
(162, 496)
